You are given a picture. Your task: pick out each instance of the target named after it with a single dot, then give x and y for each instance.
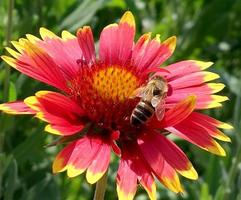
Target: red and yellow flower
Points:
(94, 105)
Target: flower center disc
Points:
(114, 83)
(104, 93)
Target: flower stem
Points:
(101, 187)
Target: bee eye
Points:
(156, 92)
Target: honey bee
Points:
(152, 101)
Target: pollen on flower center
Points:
(114, 83)
(103, 92)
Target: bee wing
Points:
(160, 110)
(155, 101)
(143, 92)
(139, 92)
(158, 102)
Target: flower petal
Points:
(126, 180)
(183, 68)
(170, 153)
(16, 108)
(193, 79)
(36, 63)
(170, 179)
(140, 167)
(151, 153)
(144, 176)
(176, 114)
(204, 101)
(65, 52)
(60, 163)
(148, 182)
(63, 114)
(201, 120)
(212, 121)
(99, 164)
(116, 41)
(187, 78)
(197, 135)
(83, 154)
(86, 42)
(148, 55)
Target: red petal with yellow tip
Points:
(126, 180)
(176, 114)
(171, 153)
(143, 172)
(65, 52)
(36, 63)
(151, 153)
(203, 101)
(99, 164)
(83, 154)
(151, 54)
(211, 128)
(116, 41)
(62, 159)
(16, 108)
(148, 183)
(183, 68)
(197, 135)
(86, 42)
(63, 114)
(169, 178)
(193, 79)
(211, 120)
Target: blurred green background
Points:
(208, 30)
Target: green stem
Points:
(101, 187)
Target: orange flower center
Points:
(114, 83)
(104, 93)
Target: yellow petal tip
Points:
(190, 173)
(209, 76)
(204, 65)
(67, 35)
(45, 33)
(171, 43)
(50, 129)
(216, 149)
(93, 178)
(216, 87)
(223, 125)
(128, 18)
(9, 60)
(72, 171)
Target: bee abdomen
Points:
(142, 112)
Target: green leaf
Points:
(12, 92)
(45, 189)
(205, 195)
(82, 14)
(11, 181)
(220, 193)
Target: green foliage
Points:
(206, 30)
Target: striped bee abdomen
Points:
(142, 112)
